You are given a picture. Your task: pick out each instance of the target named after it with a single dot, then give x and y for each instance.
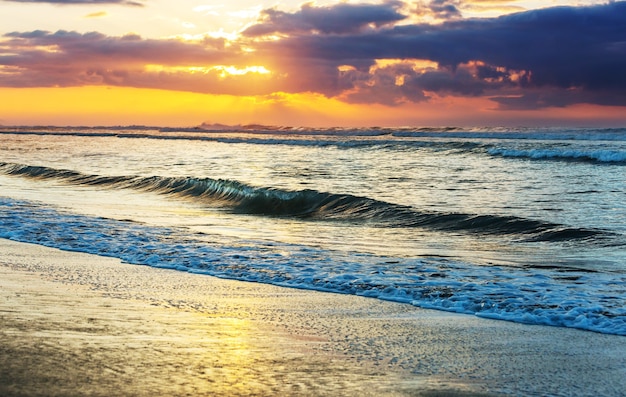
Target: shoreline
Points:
(79, 324)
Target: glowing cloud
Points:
(341, 18)
(99, 14)
(356, 53)
(548, 57)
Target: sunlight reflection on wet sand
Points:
(75, 324)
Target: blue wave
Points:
(209, 132)
(563, 154)
(557, 297)
(315, 205)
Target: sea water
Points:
(525, 225)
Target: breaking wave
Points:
(600, 156)
(313, 205)
(210, 132)
(557, 297)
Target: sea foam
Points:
(557, 297)
(603, 156)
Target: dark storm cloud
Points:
(401, 82)
(122, 2)
(578, 51)
(537, 99)
(340, 18)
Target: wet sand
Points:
(74, 324)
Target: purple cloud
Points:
(67, 58)
(340, 18)
(73, 48)
(543, 58)
(578, 52)
(442, 9)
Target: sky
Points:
(319, 64)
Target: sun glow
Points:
(346, 68)
(226, 70)
(104, 105)
(223, 70)
(415, 64)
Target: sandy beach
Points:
(74, 324)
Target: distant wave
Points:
(601, 156)
(209, 131)
(456, 140)
(601, 134)
(308, 138)
(312, 204)
(530, 134)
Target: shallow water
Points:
(522, 225)
(100, 323)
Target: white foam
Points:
(590, 301)
(605, 156)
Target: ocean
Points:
(525, 225)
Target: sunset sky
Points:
(324, 63)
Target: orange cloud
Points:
(67, 59)
(353, 53)
(99, 14)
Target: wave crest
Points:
(312, 204)
(601, 156)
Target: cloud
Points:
(340, 18)
(578, 52)
(490, 6)
(552, 57)
(99, 2)
(99, 14)
(67, 58)
(73, 48)
(537, 99)
(406, 81)
(439, 9)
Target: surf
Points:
(313, 205)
